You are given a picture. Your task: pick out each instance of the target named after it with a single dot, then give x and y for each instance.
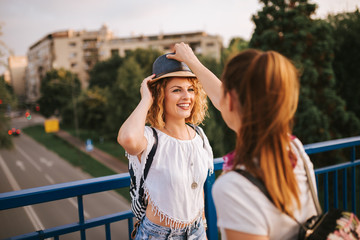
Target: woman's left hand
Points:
(183, 53)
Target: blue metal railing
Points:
(82, 188)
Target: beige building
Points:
(79, 51)
(7, 77)
(71, 50)
(17, 68)
(200, 42)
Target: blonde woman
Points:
(171, 99)
(258, 97)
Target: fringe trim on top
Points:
(170, 221)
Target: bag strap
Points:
(198, 131)
(257, 182)
(260, 185)
(150, 157)
(309, 181)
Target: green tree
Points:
(236, 45)
(145, 58)
(120, 79)
(93, 106)
(104, 73)
(6, 100)
(347, 57)
(5, 51)
(125, 94)
(58, 88)
(287, 27)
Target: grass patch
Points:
(73, 155)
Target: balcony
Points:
(337, 186)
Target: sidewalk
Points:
(111, 162)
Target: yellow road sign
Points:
(51, 125)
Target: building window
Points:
(74, 64)
(72, 55)
(210, 44)
(127, 52)
(168, 48)
(114, 52)
(72, 44)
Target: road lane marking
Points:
(20, 164)
(29, 159)
(15, 186)
(49, 179)
(74, 203)
(46, 162)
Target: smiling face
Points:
(156, 115)
(179, 99)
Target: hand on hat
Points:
(144, 89)
(183, 53)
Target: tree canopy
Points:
(288, 27)
(104, 73)
(57, 89)
(346, 35)
(6, 101)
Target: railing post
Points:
(130, 226)
(335, 186)
(326, 192)
(81, 216)
(345, 189)
(353, 177)
(107, 231)
(210, 212)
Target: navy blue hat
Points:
(164, 67)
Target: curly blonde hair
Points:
(156, 116)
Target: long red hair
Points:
(267, 84)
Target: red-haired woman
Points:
(258, 97)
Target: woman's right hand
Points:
(144, 89)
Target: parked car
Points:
(14, 132)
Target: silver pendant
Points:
(194, 185)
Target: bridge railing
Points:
(81, 188)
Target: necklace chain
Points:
(194, 184)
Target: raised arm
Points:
(211, 84)
(131, 134)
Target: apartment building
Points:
(79, 51)
(200, 42)
(17, 68)
(76, 51)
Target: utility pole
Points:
(74, 106)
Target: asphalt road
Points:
(30, 165)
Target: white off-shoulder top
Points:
(175, 167)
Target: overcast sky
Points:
(23, 22)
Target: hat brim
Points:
(182, 74)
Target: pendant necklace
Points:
(194, 184)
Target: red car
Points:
(14, 132)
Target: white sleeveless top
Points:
(176, 165)
(242, 207)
